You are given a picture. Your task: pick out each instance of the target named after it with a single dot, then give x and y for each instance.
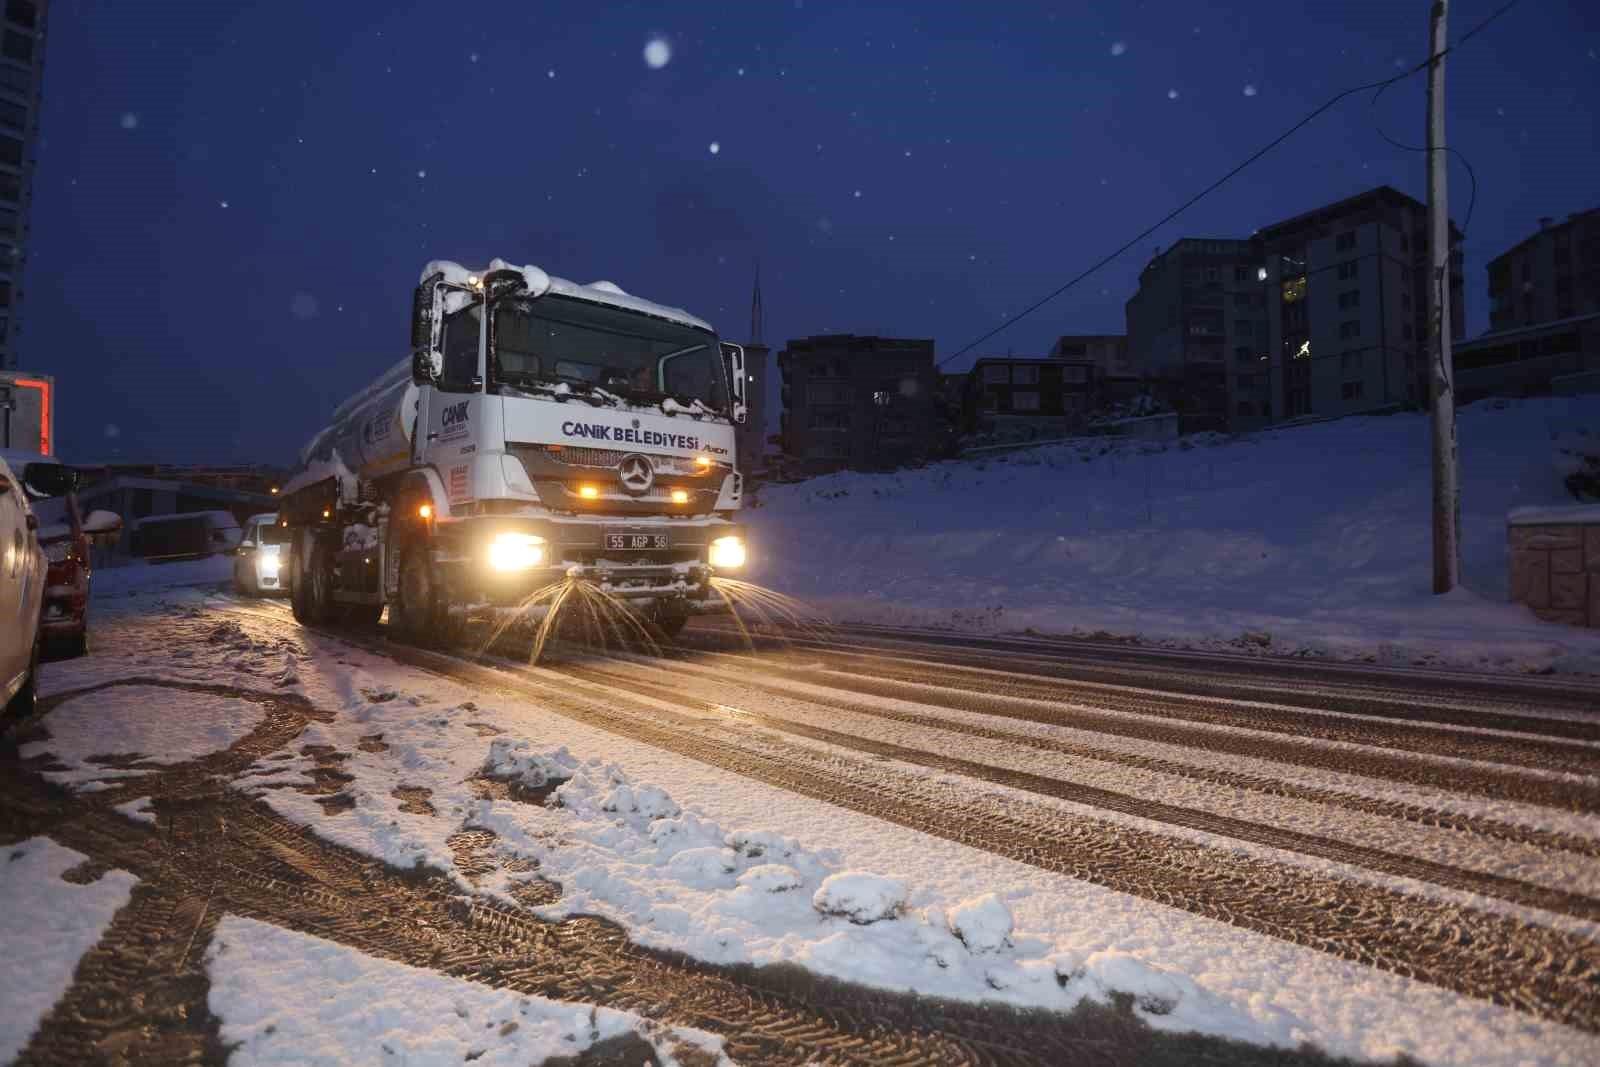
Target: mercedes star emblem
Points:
(636, 473)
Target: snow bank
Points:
(157, 725)
(1316, 536)
(46, 924)
(142, 577)
(290, 998)
(677, 880)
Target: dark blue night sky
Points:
(233, 201)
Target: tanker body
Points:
(540, 430)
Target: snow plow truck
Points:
(540, 431)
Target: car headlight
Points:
(515, 551)
(727, 553)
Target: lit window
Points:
(1294, 289)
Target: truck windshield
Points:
(639, 357)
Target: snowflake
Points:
(1172, 94)
(113, 430)
(715, 147)
(422, 174)
(741, 72)
(1250, 90)
(657, 53)
(858, 194)
(473, 57)
(303, 306)
(224, 203)
(550, 73)
(1119, 47)
(130, 121)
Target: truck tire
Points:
(420, 612)
(312, 597)
(670, 625)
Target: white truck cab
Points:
(540, 431)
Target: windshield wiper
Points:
(552, 385)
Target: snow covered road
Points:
(1371, 861)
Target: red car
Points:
(64, 537)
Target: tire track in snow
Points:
(1262, 784)
(870, 678)
(1492, 782)
(1500, 887)
(1352, 687)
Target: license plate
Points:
(637, 540)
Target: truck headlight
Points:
(515, 551)
(269, 564)
(727, 553)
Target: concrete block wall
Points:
(1555, 563)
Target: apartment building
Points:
(1197, 333)
(21, 72)
(1345, 288)
(1550, 276)
(866, 403)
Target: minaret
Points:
(752, 436)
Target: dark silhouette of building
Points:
(1553, 357)
(1552, 275)
(1107, 351)
(866, 403)
(1346, 290)
(21, 72)
(1197, 330)
(1005, 387)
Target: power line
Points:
(1214, 186)
(1472, 197)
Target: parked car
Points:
(22, 578)
(186, 535)
(64, 534)
(259, 568)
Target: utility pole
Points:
(1446, 488)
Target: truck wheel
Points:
(312, 595)
(420, 612)
(297, 580)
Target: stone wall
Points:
(1555, 563)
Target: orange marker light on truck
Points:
(588, 492)
(703, 462)
(680, 496)
(425, 511)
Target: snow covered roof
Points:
(539, 283)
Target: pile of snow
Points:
(517, 760)
(1317, 536)
(153, 724)
(290, 998)
(625, 850)
(862, 897)
(46, 924)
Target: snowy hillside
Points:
(1315, 539)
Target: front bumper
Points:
(576, 550)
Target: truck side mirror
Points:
(50, 479)
(426, 366)
(422, 316)
(733, 359)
